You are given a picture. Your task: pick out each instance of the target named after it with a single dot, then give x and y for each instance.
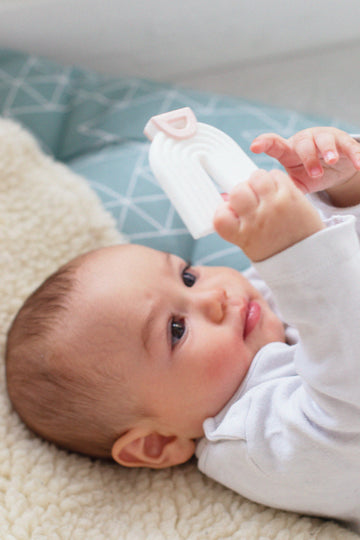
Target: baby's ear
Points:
(139, 448)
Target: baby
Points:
(130, 353)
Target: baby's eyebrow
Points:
(151, 317)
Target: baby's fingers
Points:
(306, 148)
(327, 144)
(271, 144)
(226, 223)
(241, 201)
(332, 143)
(327, 147)
(349, 148)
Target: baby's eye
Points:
(188, 278)
(177, 330)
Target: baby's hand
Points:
(316, 158)
(266, 215)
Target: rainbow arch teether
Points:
(185, 157)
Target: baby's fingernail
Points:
(225, 196)
(315, 171)
(330, 156)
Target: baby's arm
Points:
(266, 215)
(316, 159)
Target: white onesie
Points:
(290, 436)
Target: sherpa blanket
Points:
(47, 216)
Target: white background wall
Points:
(278, 51)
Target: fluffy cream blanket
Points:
(47, 216)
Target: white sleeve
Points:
(316, 284)
(321, 201)
(327, 211)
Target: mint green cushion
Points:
(94, 124)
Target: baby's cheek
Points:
(227, 366)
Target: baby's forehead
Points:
(129, 260)
(116, 270)
(123, 254)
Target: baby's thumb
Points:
(226, 223)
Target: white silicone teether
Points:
(185, 156)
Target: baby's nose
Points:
(213, 304)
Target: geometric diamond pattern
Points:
(35, 92)
(94, 123)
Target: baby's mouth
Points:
(252, 317)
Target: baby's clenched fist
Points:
(266, 215)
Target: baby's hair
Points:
(55, 395)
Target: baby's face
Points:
(184, 336)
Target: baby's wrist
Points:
(295, 229)
(347, 193)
